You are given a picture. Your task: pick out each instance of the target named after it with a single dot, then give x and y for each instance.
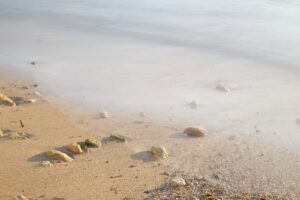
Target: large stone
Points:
(159, 152)
(58, 155)
(75, 148)
(92, 143)
(5, 100)
(118, 138)
(177, 181)
(195, 131)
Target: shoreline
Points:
(114, 171)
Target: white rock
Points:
(195, 131)
(178, 181)
(104, 114)
(226, 86)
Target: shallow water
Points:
(157, 56)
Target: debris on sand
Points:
(104, 114)
(159, 152)
(5, 100)
(21, 197)
(298, 121)
(58, 155)
(1, 133)
(195, 131)
(177, 181)
(75, 148)
(118, 138)
(18, 136)
(46, 163)
(33, 63)
(201, 188)
(194, 104)
(30, 101)
(92, 143)
(226, 86)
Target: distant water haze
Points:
(158, 56)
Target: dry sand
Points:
(105, 173)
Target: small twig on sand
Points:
(21, 123)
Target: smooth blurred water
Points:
(131, 56)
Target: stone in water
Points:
(58, 155)
(195, 131)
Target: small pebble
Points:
(178, 181)
(104, 114)
(46, 164)
(194, 104)
(195, 131)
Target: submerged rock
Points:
(5, 100)
(159, 152)
(118, 138)
(195, 131)
(92, 143)
(177, 181)
(75, 148)
(58, 155)
(104, 114)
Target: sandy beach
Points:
(105, 173)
